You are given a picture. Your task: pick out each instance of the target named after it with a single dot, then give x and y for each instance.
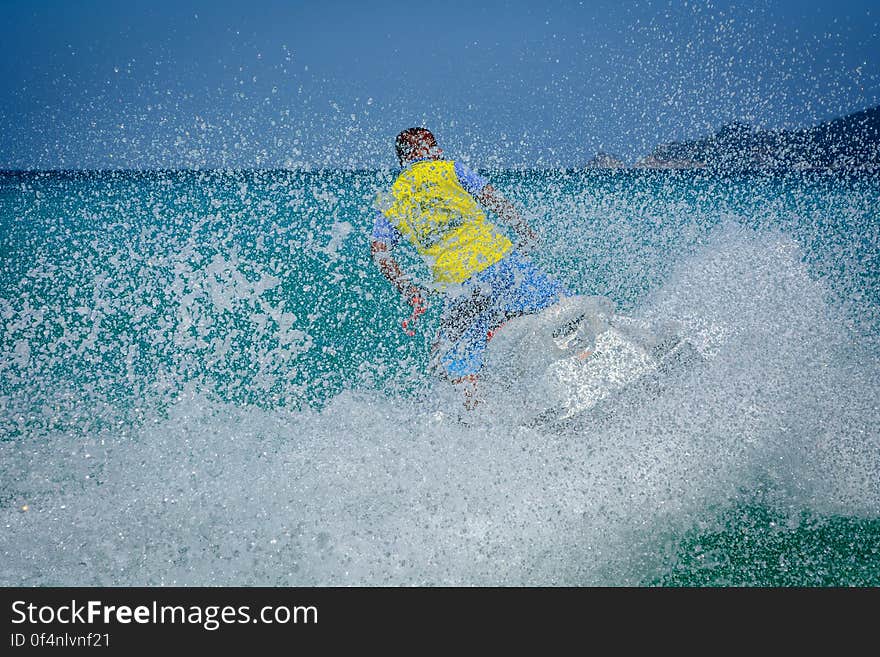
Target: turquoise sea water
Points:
(205, 381)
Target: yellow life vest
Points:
(450, 231)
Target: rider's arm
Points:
(492, 199)
(381, 252)
(390, 268)
(384, 238)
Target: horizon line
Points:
(4, 170)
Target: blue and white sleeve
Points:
(472, 182)
(384, 231)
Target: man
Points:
(438, 205)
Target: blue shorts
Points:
(512, 286)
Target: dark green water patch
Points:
(759, 547)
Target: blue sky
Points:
(98, 84)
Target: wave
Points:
(378, 487)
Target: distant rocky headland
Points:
(605, 161)
(849, 143)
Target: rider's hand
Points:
(416, 298)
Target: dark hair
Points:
(408, 141)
